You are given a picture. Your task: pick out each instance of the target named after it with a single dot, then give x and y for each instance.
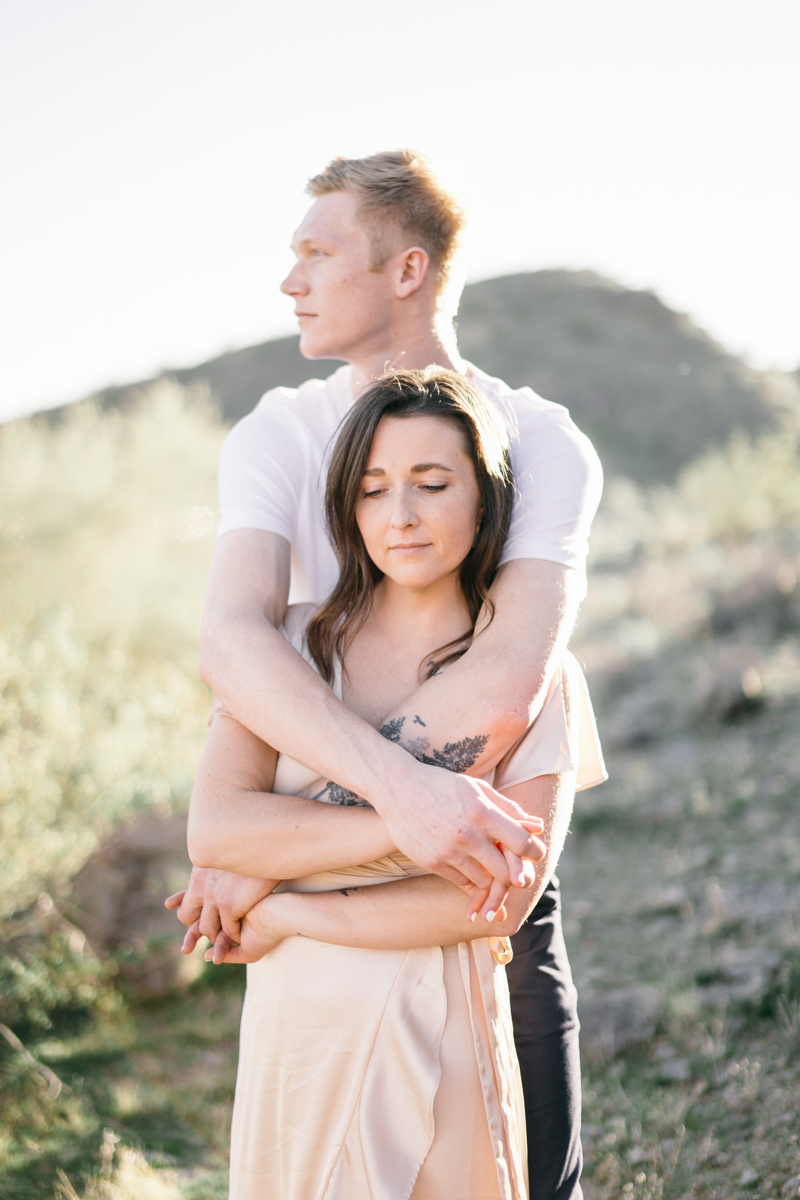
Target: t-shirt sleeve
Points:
(260, 468)
(559, 481)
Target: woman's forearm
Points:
(425, 911)
(411, 913)
(281, 837)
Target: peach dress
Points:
(391, 1074)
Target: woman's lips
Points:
(411, 546)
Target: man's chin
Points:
(312, 349)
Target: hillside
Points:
(650, 388)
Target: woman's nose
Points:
(403, 514)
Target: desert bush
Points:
(664, 558)
(105, 524)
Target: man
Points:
(372, 286)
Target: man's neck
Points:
(408, 351)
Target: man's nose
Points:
(294, 284)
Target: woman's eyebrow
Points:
(417, 469)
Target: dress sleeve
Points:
(559, 481)
(261, 462)
(563, 738)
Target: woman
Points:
(377, 1056)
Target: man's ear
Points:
(411, 271)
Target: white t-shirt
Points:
(274, 464)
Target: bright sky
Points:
(154, 155)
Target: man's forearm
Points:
(265, 683)
(467, 717)
(267, 686)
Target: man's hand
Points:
(465, 831)
(215, 903)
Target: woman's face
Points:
(419, 506)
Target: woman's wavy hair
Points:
(430, 393)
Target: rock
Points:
(638, 717)
(733, 687)
(791, 1187)
(745, 975)
(748, 1177)
(612, 1020)
(117, 899)
(672, 900)
(741, 963)
(675, 1070)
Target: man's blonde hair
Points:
(398, 188)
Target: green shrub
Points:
(105, 538)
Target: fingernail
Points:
(490, 916)
(474, 915)
(522, 878)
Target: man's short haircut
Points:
(399, 188)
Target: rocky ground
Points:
(681, 890)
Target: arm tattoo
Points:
(334, 793)
(456, 756)
(392, 729)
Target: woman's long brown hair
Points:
(429, 393)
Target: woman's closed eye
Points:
(377, 492)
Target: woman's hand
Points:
(215, 903)
(490, 902)
(262, 928)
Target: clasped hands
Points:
(226, 907)
(215, 905)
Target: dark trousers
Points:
(545, 1014)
